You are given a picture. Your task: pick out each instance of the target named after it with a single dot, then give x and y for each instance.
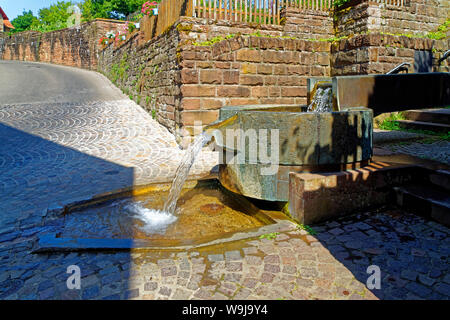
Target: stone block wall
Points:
(247, 70)
(148, 72)
(180, 83)
(416, 17)
(379, 53)
(308, 24)
(76, 47)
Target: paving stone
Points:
(233, 255)
(181, 294)
(419, 289)
(150, 286)
(443, 288)
(168, 271)
(216, 257)
(131, 294)
(272, 268)
(233, 266)
(90, 293)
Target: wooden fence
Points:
(169, 11)
(257, 11)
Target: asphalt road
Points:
(30, 82)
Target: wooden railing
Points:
(323, 5)
(169, 11)
(256, 11)
(393, 2)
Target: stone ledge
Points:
(317, 197)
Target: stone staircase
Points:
(437, 120)
(428, 196)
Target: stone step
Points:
(440, 179)
(420, 125)
(428, 115)
(425, 200)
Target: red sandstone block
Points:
(189, 76)
(277, 100)
(279, 69)
(222, 65)
(242, 101)
(233, 91)
(270, 80)
(317, 197)
(190, 104)
(188, 118)
(249, 68)
(258, 92)
(211, 104)
(211, 76)
(274, 91)
(289, 81)
(235, 44)
(248, 55)
(231, 77)
(293, 92)
(251, 80)
(188, 90)
(204, 64)
(265, 69)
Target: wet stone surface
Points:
(412, 255)
(54, 154)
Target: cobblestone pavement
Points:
(56, 153)
(412, 255)
(418, 145)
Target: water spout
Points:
(322, 100)
(401, 67)
(445, 56)
(183, 171)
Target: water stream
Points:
(183, 170)
(322, 100)
(157, 221)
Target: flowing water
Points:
(183, 170)
(204, 210)
(322, 100)
(158, 220)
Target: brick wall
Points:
(180, 83)
(379, 53)
(308, 24)
(416, 17)
(147, 72)
(71, 47)
(247, 70)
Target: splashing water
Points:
(183, 170)
(322, 100)
(155, 221)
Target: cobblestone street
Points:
(55, 153)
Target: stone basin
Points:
(307, 142)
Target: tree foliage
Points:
(54, 17)
(23, 22)
(57, 15)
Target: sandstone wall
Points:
(76, 47)
(417, 17)
(379, 53)
(180, 83)
(148, 72)
(247, 70)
